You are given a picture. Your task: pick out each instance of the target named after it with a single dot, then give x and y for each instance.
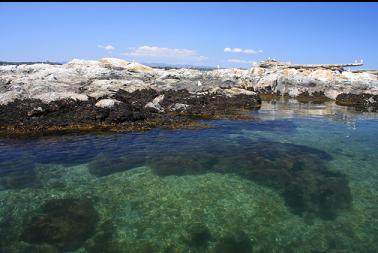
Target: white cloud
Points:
(106, 47)
(241, 61)
(240, 50)
(163, 52)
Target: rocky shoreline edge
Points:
(116, 95)
(125, 111)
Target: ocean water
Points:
(298, 178)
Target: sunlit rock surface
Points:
(79, 79)
(87, 92)
(294, 80)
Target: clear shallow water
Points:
(300, 178)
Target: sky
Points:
(206, 34)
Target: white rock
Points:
(323, 75)
(257, 71)
(104, 103)
(79, 79)
(158, 99)
(157, 107)
(155, 103)
(139, 68)
(235, 91)
(114, 62)
(371, 100)
(359, 76)
(179, 107)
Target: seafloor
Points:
(298, 178)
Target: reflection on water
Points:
(291, 108)
(300, 178)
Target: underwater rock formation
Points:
(234, 242)
(182, 164)
(62, 223)
(104, 240)
(104, 165)
(199, 236)
(298, 172)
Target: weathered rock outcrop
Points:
(123, 111)
(309, 81)
(113, 91)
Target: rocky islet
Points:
(114, 94)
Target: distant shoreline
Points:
(30, 63)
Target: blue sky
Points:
(228, 34)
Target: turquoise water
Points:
(299, 178)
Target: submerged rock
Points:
(199, 236)
(104, 240)
(323, 194)
(181, 164)
(104, 165)
(298, 172)
(235, 242)
(63, 223)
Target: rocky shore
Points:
(113, 94)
